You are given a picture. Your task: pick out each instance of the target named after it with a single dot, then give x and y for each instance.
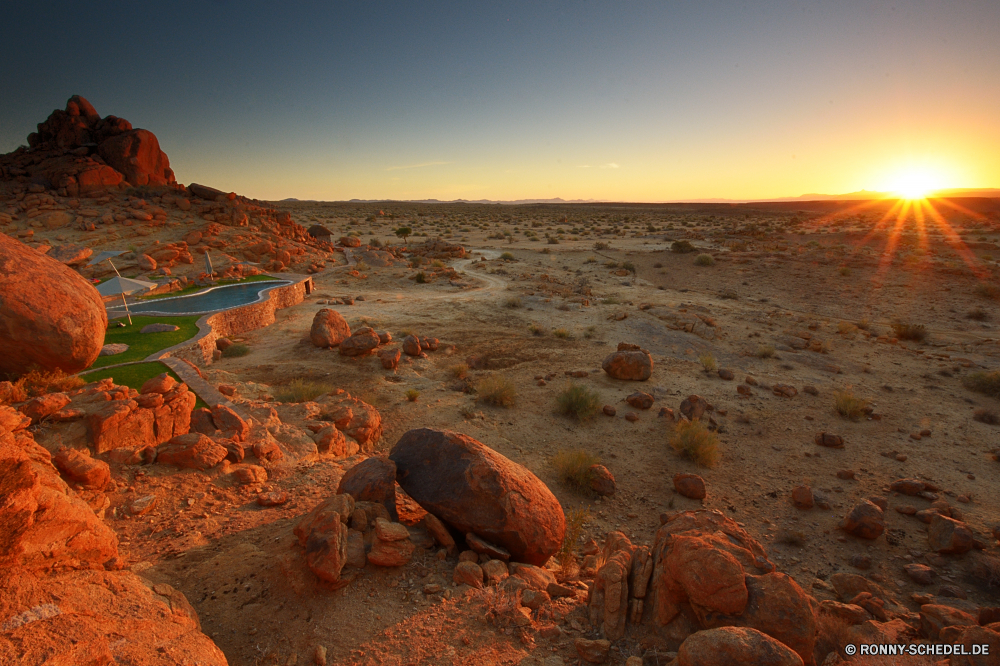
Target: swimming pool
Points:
(212, 300)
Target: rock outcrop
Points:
(475, 489)
(49, 315)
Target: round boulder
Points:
(726, 646)
(475, 489)
(50, 315)
(329, 328)
(629, 362)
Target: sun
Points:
(914, 182)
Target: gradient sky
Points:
(637, 101)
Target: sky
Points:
(633, 101)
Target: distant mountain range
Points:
(863, 195)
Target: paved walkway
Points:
(201, 388)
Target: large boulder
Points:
(373, 480)
(329, 328)
(475, 489)
(629, 362)
(50, 316)
(136, 155)
(734, 646)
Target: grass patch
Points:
(412, 395)
(302, 390)
(513, 302)
(575, 520)
(496, 390)
(142, 345)
(708, 362)
(195, 288)
(578, 401)
(573, 467)
(236, 350)
(914, 332)
(987, 383)
(693, 440)
(765, 351)
(459, 370)
(562, 334)
(849, 406)
(132, 376)
(704, 260)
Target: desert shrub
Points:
(704, 260)
(629, 266)
(844, 270)
(987, 290)
(236, 350)
(507, 256)
(512, 302)
(302, 390)
(575, 520)
(987, 416)
(590, 260)
(601, 245)
(420, 278)
(562, 334)
(708, 362)
(693, 440)
(362, 266)
(729, 295)
(978, 314)
(459, 370)
(545, 250)
(573, 467)
(39, 382)
(496, 390)
(848, 405)
(765, 351)
(864, 324)
(536, 329)
(987, 383)
(682, 247)
(437, 263)
(610, 300)
(832, 634)
(552, 240)
(590, 332)
(412, 395)
(791, 537)
(375, 242)
(578, 401)
(914, 332)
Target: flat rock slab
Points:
(113, 349)
(158, 328)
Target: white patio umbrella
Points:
(107, 288)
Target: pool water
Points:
(213, 300)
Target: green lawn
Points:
(193, 288)
(134, 376)
(142, 345)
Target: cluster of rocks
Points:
(330, 329)
(64, 590)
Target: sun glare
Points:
(914, 183)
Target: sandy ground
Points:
(778, 277)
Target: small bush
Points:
(693, 440)
(792, 537)
(590, 260)
(629, 266)
(507, 256)
(849, 406)
(864, 324)
(578, 401)
(39, 382)
(682, 247)
(573, 467)
(987, 416)
(545, 250)
(575, 520)
(496, 390)
(914, 332)
(610, 300)
(512, 302)
(844, 270)
(236, 350)
(412, 395)
(708, 362)
(765, 351)
(987, 290)
(601, 245)
(987, 383)
(729, 295)
(420, 278)
(459, 370)
(553, 240)
(978, 314)
(562, 334)
(536, 329)
(704, 260)
(302, 390)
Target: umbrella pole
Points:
(127, 313)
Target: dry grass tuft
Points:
(704, 260)
(412, 395)
(693, 440)
(496, 390)
(236, 350)
(766, 351)
(708, 362)
(459, 370)
(987, 383)
(513, 302)
(914, 332)
(302, 390)
(573, 467)
(848, 405)
(578, 401)
(39, 382)
(575, 520)
(987, 416)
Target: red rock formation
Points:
(50, 316)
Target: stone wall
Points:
(240, 320)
